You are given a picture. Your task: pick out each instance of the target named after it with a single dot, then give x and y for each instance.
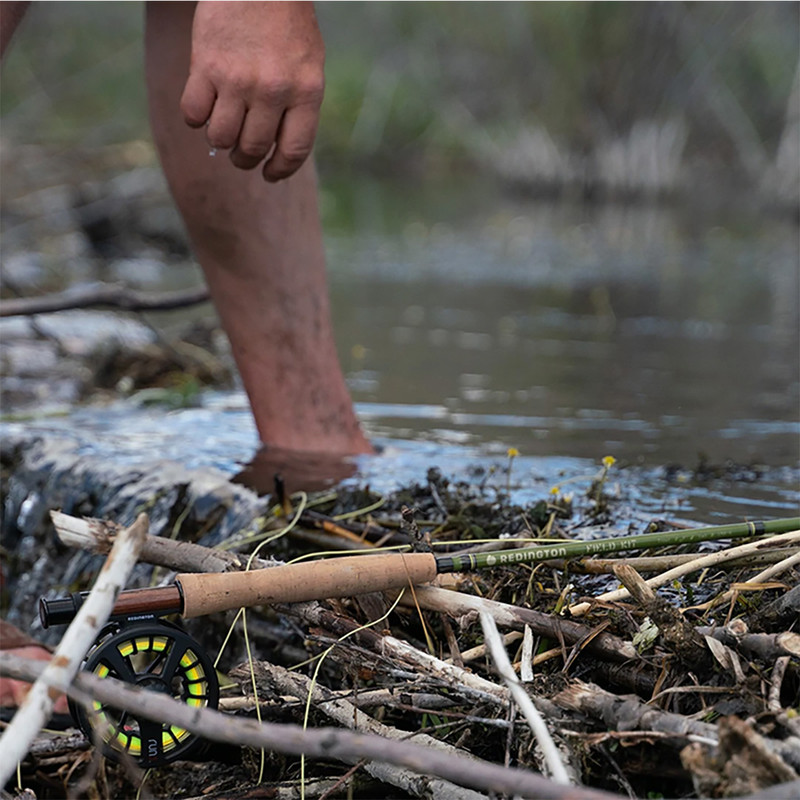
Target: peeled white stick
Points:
(701, 562)
(35, 710)
(501, 661)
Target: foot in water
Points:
(273, 470)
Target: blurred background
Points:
(569, 228)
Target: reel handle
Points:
(207, 593)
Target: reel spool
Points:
(159, 657)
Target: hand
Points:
(257, 79)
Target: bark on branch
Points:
(322, 743)
(103, 296)
(59, 672)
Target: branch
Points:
(97, 536)
(59, 672)
(523, 700)
(101, 296)
(628, 712)
(321, 743)
(344, 712)
(702, 562)
(604, 645)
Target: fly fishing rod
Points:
(200, 594)
(140, 648)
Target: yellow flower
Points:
(513, 452)
(554, 490)
(609, 461)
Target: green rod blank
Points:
(467, 562)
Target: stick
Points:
(763, 576)
(628, 712)
(97, 536)
(449, 673)
(601, 566)
(692, 566)
(112, 295)
(322, 743)
(521, 698)
(605, 645)
(342, 711)
(62, 668)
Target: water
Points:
(646, 334)
(469, 324)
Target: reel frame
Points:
(158, 656)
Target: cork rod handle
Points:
(207, 593)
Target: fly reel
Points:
(158, 657)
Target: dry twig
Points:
(344, 712)
(699, 563)
(322, 743)
(523, 700)
(69, 654)
(104, 295)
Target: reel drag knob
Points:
(158, 657)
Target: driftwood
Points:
(323, 743)
(630, 713)
(103, 296)
(702, 562)
(67, 659)
(765, 575)
(97, 536)
(345, 713)
(370, 698)
(741, 762)
(327, 743)
(552, 757)
(783, 611)
(763, 646)
(398, 659)
(458, 604)
(604, 566)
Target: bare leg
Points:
(260, 247)
(11, 14)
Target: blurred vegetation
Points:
(425, 72)
(432, 84)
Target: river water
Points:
(470, 323)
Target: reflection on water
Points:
(570, 331)
(221, 437)
(467, 326)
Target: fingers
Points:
(252, 134)
(294, 142)
(225, 122)
(256, 80)
(257, 137)
(197, 100)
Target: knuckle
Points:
(241, 83)
(220, 139)
(252, 149)
(275, 92)
(296, 155)
(312, 90)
